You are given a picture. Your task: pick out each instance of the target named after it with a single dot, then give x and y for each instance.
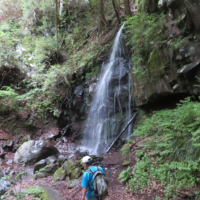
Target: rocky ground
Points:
(112, 164)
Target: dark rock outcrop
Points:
(181, 64)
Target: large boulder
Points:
(32, 151)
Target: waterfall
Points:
(61, 7)
(112, 102)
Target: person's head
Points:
(86, 161)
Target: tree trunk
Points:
(102, 14)
(119, 21)
(90, 3)
(56, 25)
(127, 7)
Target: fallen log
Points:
(121, 132)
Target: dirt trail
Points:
(112, 165)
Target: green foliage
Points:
(125, 175)
(20, 175)
(146, 41)
(9, 99)
(29, 44)
(8, 54)
(125, 150)
(148, 37)
(4, 178)
(171, 151)
(35, 191)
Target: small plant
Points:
(35, 191)
(125, 150)
(4, 178)
(19, 194)
(125, 175)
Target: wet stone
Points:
(79, 91)
(51, 160)
(62, 157)
(64, 139)
(7, 170)
(39, 175)
(8, 146)
(4, 185)
(9, 143)
(11, 173)
(39, 165)
(49, 169)
(73, 183)
(9, 162)
(1, 173)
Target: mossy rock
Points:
(76, 173)
(39, 165)
(69, 166)
(51, 160)
(49, 169)
(126, 162)
(39, 175)
(59, 175)
(43, 193)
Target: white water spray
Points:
(111, 106)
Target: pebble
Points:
(9, 162)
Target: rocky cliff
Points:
(171, 64)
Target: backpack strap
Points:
(91, 172)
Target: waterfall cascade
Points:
(112, 103)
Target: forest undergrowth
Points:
(170, 155)
(55, 52)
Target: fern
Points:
(173, 140)
(125, 175)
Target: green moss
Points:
(44, 194)
(36, 191)
(126, 162)
(59, 175)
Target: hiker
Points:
(88, 179)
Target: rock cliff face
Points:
(182, 65)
